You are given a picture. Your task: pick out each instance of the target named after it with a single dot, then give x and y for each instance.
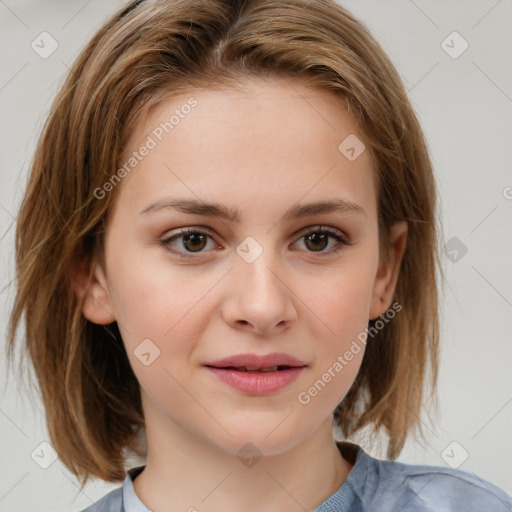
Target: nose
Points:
(258, 297)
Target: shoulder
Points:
(111, 502)
(430, 488)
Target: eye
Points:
(193, 240)
(317, 240)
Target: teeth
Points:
(244, 369)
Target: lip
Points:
(254, 361)
(257, 383)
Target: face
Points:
(269, 281)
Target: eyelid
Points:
(322, 227)
(189, 229)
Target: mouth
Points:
(254, 374)
(257, 381)
(253, 370)
(254, 362)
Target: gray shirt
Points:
(373, 485)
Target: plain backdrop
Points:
(464, 103)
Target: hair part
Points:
(143, 55)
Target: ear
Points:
(90, 286)
(389, 269)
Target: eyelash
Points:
(342, 241)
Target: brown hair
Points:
(143, 54)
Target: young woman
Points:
(229, 246)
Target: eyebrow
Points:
(196, 207)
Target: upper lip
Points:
(256, 362)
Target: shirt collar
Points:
(131, 502)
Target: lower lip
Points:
(257, 383)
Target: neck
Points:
(186, 473)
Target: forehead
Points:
(269, 141)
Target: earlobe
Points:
(90, 286)
(389, 270)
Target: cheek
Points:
(162, 317)
(341, 319)
(340, 309)
(156, 300)
(340, 302)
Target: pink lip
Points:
(257, 383)
(254, 361)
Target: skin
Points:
(260, 150)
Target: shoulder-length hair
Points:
(144, 54)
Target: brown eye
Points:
(317, 240)
(192, 241)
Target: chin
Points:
(258, 441)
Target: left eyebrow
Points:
(196, 207)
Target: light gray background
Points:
(465, 108)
